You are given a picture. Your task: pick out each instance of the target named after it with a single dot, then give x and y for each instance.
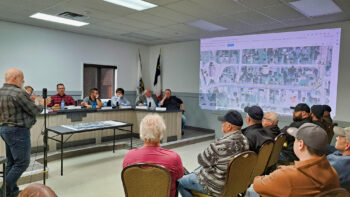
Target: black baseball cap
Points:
(301, 107)
(233, 117)
(327, 108)
(317, 110)
(254, 112)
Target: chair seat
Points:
(198, 194)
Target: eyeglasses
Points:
(268, 119)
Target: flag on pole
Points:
(140, 85)
(157, 79)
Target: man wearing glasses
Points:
(56, 100)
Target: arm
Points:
(275, 184)
(162, 101)
(28, 105)
(208, 157)
(98, 103)
(52, 102)
(180, 168)
(139, 101)
(114, 100)
(182, 106)
(127, 103)
(70, 101)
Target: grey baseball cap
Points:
(340, 131)
(312, 135)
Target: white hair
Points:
(273, 116)
(152, 127)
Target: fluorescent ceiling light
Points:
(57, 19)
(312, 8)
(207, 26)
(133, 4)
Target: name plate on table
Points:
(106, 108)
(160, 108)
(73, 107)
(141, 107)
(125, 107)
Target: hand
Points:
(97, 96)
(33, 97)
(48, 100)
(56, 105)
(141, 104)
(83, 104)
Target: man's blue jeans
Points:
(189, 182)
(18, 146)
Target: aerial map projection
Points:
(275, 71)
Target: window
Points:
(101, 77)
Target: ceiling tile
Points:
(134, 23)
(148, 18)
(281, 12)
(253, 18)
(257, 3)
(170, 14)
(192, 9)
(161, 2)
(225, 7)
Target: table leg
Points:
(61, 155)
(4, 179)
(113, 140)
(131, 138)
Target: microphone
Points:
(149, 104)
(44, 93)
(117, 104)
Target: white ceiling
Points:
(167, 22)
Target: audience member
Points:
(209, 178)
(173, 103)
(37, 190)
(152, 128)
(254, 132)
(56, 100)
(270, 124)
(310, 176)
(328, 122)
(30, 90)
(92, 101)
(147, 99)
(340, 160)
(119, 98)
(301, 115)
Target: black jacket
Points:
(272, 131)
(256, 136)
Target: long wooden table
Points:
(64, 117)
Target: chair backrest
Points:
(337, 192)
(277, 147)
(263, 158)
(239, 172)
(147, 180)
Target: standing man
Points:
(17, 116)
(174, 103)
(57, 99)
(210, 177)
(92, 101)
(148, 98)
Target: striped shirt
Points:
(16, 107)
(215, 159)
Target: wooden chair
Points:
(263, 158)
(337, 192)
(146, 180)
(238, 175)
(276, 150)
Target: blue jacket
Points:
(342, 165)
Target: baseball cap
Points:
(233, 117)
(301, 107)
(254, 112)
(340, 131)
(317, 110)
(327, 108)
(312, 135)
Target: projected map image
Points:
(291, 68)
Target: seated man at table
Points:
(340, 159)
(152, 127)
(119, 98)
(147, 99)
(92, 101)
(310, 176)
(56, 100)
(174, 103)
(209, 178)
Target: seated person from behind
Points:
(56, 100)
(209, 178)
(30, 90)
(147, 99)
(119, 98)
(301, 115)
(328, 122)
(310, 176)
(152, 128)
(317, 115)
(254, 132)
(92, 101)
(270, 124)
(340, 159)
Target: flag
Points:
(140, 86)
(157, 80)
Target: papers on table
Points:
(93, 125)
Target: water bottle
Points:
(145, 104)
(62, 104)
(159, 104)
(105, 104)
(93, 105)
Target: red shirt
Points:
(157, 155)
(57, 99)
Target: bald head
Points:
(270, 119)
(15, 77)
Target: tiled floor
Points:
(98, 175)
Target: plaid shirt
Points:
(16, 107)
(57, 99)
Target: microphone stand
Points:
(45, 141)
